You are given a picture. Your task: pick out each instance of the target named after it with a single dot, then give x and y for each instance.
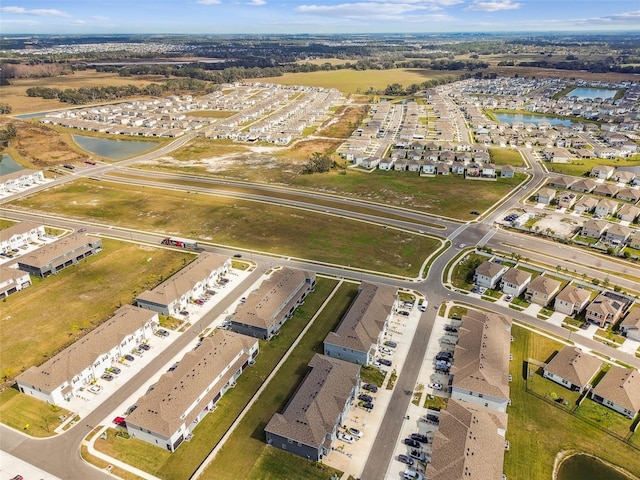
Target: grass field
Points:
(51, 314)
(506, 156)
(279, 230)
(579, 168)
(354, 81)
(249, 437)
(538, 430)
(181, 464)
(25, 413)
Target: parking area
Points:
(14, 254)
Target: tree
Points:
(318, 163)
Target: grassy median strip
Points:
(256, 459)
(259, 226)
(538, 429)
(181, 464)
(54, 312)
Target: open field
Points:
(249, 435)
(52, 313)
(539, 430)
(16, 96)
(276, 229)
(582, 167)
(355, 81)
(506, 156)
(181, 464)
(35, 418)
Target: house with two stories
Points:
(514, 281)
(270, 306)
(167, 414)
(603, 172)
(617, 234)
(20, 235)
(16, 181)
(69, 372)
(619, 390)
(572, 368)
(12, 280)
(566, 200)
(362, 328)
(309, 423)
(541, 290)
(606, 207)
(628, 213)
(174, 294)
(593, 228)
(571, 300)
(606, 308)
(480, 367)
(630, 326)
(585, 204)
(488, 274)
(545, 196)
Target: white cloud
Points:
(374, 10)
(209, 2)
(257, 3)
(39, 12)
(493, 6)
(627, 18)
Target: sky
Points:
(315, 16)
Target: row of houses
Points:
(619, 388)
(18, 181)
(584, 185)
(606, 309)
(613, 234)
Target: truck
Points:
(182, 243)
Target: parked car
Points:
(95, 389)
(129, 358)
(162, 332)
(377, 364)
(446, 356)
(107, 376)
(423, 307)
(367, 405)
(345, 438)
(509, 298)
(450, 328)
(412, 475)
(433, 418)
(386, 351)
(365, 398)
(404, 313)
(115, 370)
(435, 386)
(120, 421)
(405, 459)
(419, 437)
(144, 346)
(391, 344)
(462, 245)
(411, 442)
(355, 432)
(418, 455)
(385, 362)
(370, 388)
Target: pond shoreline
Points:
(564, 455)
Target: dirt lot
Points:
(561, 224)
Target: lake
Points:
(584, 93)
(9, 165)
(530, 118)
(112, 148)
(586, 467)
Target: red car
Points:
(120, 421)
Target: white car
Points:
(346, 438)
(355, 432)
(462, 245)
(386, 351)
(435, 386)
(95, 389)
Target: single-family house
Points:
(603, 172)
(174, 294)
(562, 182)
(20, 235)
(514, 281)
(572, 368)
(634, 241)
(69, 372)
(429, 167)
(12, 280)
(605, 309)
(469, 443)
(630, 326)
(541, 290)
(606, 207)
(617, 234)
(481, 361)
(624, 176)
(53, 257)
(566, 200)
(488, 274)
(593, 228)
(628, 212)
(309, 423)
(362, 328)
(167, 414)
(507, 171)
(583, 185)
(270, 306)
(606, 190)
(571, 300)
(586, 204)
(629, 195)
(545, 195)
(400, 165)
(619, 390)
(386, 163)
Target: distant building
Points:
(309, 424)
(572, 368)
(267, 308)
(16, 181)
(20, 235)
(167, 414)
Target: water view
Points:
(530, 118)
(585, 467)
(591, 93)
(112, 148)
(28, 116)
(8, 165)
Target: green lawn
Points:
(582, 167)
(272, 228)
(538, 430)
(39, 321)
(604, 417)
(276, 464)
(463, 270)
(249, 437)
(506, 156)
(181, 464)
(25, 413)
(6, 223)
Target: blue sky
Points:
(315, 16)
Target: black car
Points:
(368, 405)
(391, 344)
(444, 356)
(384, 362)
(473, 212)
(450, 328)
(419, 437)
(433, 418)
(115, 370)
(405, 459)
(369, 387)
(365, 398)
(129, 358)
(411, 442)
(144, 346)
(443, 370)
(237, 255)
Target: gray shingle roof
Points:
(621, 386)
(572, 364)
